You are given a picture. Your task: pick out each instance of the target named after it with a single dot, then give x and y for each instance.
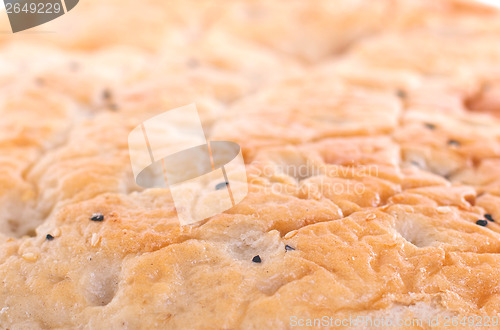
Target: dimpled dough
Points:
(371, 134)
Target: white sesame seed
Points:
(95, 239)
(30, 256)
(443, 209)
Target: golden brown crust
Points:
(372, 149)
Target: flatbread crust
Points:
(371, 133)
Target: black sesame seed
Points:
(106, 94)
(415, 163)
(221, 185)
(257, 259)
(481, 222)
(454, 143)
(401, 93)
(489, 217)
(289, 248)
(97, 217)
(430, 126)
(49, 237)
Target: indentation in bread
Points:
(371, 135)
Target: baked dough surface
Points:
(371, 133)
